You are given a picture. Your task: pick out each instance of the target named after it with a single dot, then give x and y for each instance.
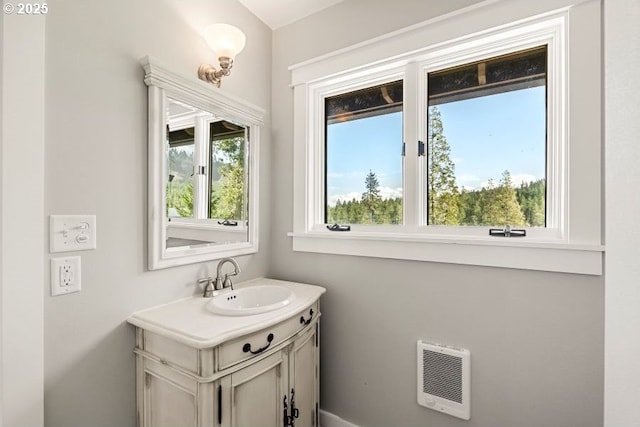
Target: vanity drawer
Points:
(250, 345)
(171, 352)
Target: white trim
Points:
(409, 41)
(165, 84)
(200, 94)
(22, 238)
(497, 27)
(327, 419)
(577, 259)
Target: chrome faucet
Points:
(208, 286)
(221, 283)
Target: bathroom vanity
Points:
(198, 368)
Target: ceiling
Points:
(278, 13)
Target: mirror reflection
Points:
(206, 178)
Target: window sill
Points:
(206, 225)
(530, 254)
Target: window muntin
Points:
(486, 151)
(363, 155)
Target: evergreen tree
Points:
(502, 207)
(371, 198)
(371, 209)
(531, 197)
(227, 194)
(443, 197)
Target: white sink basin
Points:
(251, 300)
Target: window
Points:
(363, 179)
(423, 149)
(206, 177)
(486, 151)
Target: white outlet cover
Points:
(66, 275)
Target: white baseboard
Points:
(327, 419)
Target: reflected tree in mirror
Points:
(180, 144)
(228, 177)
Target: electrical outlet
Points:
(65, 275)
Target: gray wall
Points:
(536, 338)
(96, 163)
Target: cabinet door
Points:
(256, 393)
(304, 378)
(169, 403)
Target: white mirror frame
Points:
(162, 84)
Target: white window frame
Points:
(199, 121)
(569, 243)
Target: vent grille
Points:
(442, 375)
(444, 379)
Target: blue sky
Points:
(487, 135)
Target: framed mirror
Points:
(203, 170)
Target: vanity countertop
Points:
(188, 321)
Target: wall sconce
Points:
(226, 41)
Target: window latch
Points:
(507, 232)
(228, 222)
(420, 149)
(338, 227)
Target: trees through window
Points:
(485, 152)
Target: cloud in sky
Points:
(390, 193)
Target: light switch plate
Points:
(66, 275)
(72, 233)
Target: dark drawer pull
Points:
(306, 322)
(247, 347)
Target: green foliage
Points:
(371, 209)
(226, 179)
(180, 185)
(443, 198)
(493, 205)
(371, 200)
(180, 162)
(504, 205)
(531, 197)
(180, 197)
(227, 191)
(387, 211)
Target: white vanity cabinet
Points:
(195, 368)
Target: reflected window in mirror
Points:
(206, 178)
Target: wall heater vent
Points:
(444, 379)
